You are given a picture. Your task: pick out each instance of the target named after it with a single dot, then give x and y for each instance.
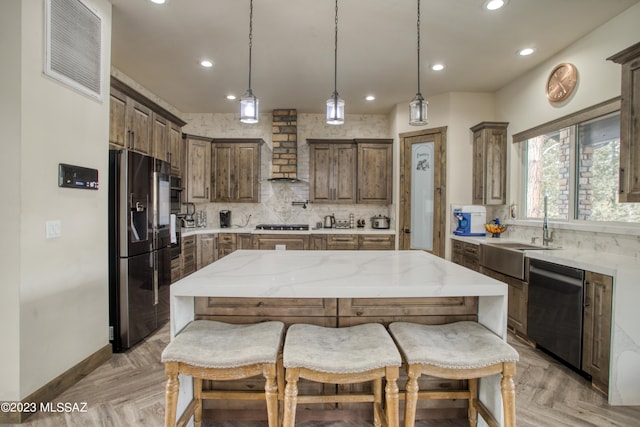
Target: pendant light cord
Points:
(418, 25)
(250, 38)
(335, 59)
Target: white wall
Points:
(458, 111)
(62, 283)
(523, 102)
(10, 193)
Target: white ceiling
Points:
(160, 46)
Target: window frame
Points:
(571, 120)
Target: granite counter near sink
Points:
(624, 371)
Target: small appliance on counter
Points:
(225, 219)
(329, 221)
(380, 222)
(471, 220)
(188, 221)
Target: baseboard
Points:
(62, 382)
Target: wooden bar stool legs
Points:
(457, 351)
(342, 356)
(217, 351)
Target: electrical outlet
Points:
(53, 229)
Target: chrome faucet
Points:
(546, 235)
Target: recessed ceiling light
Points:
(526, 51)
(437, 67)
(494, 4)
(158, 1)
(230, 97)
(206, 63)
(369, 97)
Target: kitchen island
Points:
(343, 275)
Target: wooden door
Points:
(198, 169)
(118, 127)
(247, 186)
(175, 149)
(223, 172)
(319, 173)
(141, 126)
(375, 172)
(344, 173)
(434, 163)
(160, 138)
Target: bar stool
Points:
(457, 351)
(211, 350)
(348, 355)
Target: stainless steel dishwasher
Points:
(555, 309)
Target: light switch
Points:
(53, 229)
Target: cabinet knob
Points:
(407, 231)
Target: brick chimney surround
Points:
(285, 144)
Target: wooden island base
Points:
(336, 312)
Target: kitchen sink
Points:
(507, 257)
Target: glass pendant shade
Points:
(335, 110)
(249, 105)
(418, 111)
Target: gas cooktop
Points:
(284, 227)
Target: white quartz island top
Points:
(335, 274)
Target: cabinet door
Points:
(118, 127)
(247, 173)
(489, 163)
(207, 250)
(517, 306)
(141, 126)
(320, 170)
(175, 149)
(375, 173)
(243, 241)
(317, 242)
(223, 171)
(188, 255)
(343, 176)
(496, 163)
(596, 340)
(160, 138)
(198, 170)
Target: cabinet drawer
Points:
(342, 242)
(363, 307)
(376, 242)
(279, 307)
(227, 238)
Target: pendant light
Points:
(335, 104)
(248, 102)
(418, 106)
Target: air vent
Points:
(73, 45)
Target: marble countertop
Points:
(598, 262)
(252, 230)
(335, 274)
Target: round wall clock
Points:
(561, 82)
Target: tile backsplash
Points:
(617, 243)
(276, 197)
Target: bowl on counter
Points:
(495, 229)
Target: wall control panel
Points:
(77, 177)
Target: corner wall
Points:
(10, 106)
(63, 282)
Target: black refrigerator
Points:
(139, 241)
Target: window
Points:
(574, 162)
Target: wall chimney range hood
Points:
(285, 146)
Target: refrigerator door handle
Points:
(155, 278)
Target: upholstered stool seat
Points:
(210, 350)
(460, 350)
(342, 356)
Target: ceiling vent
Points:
(73, 45)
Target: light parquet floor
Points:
(129, 391)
